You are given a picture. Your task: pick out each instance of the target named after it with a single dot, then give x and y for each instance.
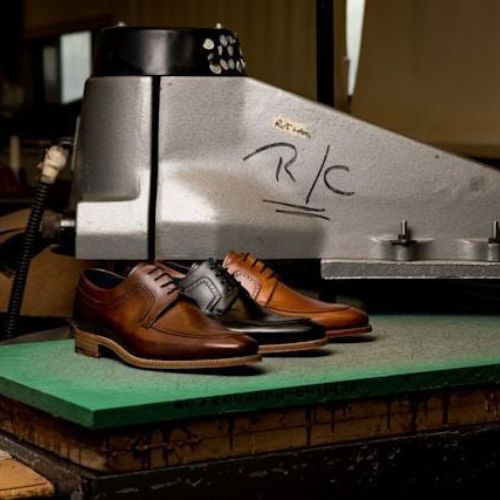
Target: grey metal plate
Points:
(351, 269)
(113, 169)
(248, 166)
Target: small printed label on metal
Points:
(291, 127)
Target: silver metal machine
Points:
(184, 157)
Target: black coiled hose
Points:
(30, 238)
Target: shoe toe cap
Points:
(232, 346)
(348, 317)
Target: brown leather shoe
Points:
(267, 290)
(146, 322)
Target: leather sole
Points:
(292, 347)
(91, 345)
(345, 332)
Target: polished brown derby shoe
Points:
(145, 321)
(267, 290)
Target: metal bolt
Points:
(494, 232)
(403, 246)
(404, 232)
(404, 228)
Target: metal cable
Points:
(30, 238)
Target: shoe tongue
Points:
(192, 269)
(202, 269)
(206, 285)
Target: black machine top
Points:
(124, 50)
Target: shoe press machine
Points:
(190, 165)
(179, 155)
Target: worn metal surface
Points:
(243, 165)
(112, 164)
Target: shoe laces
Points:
(163, 279)
(255, 265)
(227, 279)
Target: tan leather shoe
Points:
(145, 321)
(266, 289)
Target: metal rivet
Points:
(208, 44)
(215, 68)
(404, 229)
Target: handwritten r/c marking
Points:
(285, 166)
(303, 214)
(303, 210)
(311, 209)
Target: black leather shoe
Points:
(219, 295)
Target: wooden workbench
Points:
(416, 374)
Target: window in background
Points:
(355, 15)
(50, 73)
(66, 64)
(76, 55)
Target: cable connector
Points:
(54, 161)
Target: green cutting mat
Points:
(407, 353)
